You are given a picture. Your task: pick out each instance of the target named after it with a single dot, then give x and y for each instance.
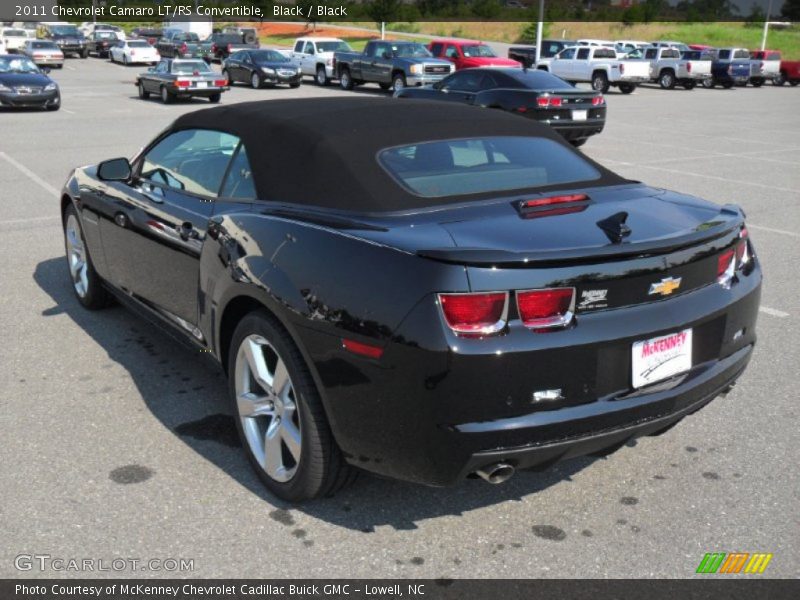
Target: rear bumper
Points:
(201, 93)
(577, 130)
(435, 408)
(647, 414)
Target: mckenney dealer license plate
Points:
(579, 115)
(661, 358)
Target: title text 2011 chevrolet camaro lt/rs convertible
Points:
(422, 293)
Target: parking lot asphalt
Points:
(116, 442)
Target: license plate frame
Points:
(580, 115)
(661, 357)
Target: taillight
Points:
(184, 48)
(733, 260)
(230, 48)
(475, 315)
(597, 100)
(182, 83)
(545, 101)
(213, 48)
(726, 268)
(546, 308)
(220, 82)
(743, 249)
(621, 68)
(688, 67)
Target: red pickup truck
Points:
(790, 71)
(467, 54)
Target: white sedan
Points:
(129, 52)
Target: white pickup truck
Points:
(599, 66)
(668, 68)
(314, 56)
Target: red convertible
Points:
(467, 54)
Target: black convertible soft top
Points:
(323, 152)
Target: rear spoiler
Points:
(487, 257)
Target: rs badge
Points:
(665, 287)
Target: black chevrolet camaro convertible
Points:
(426, 294)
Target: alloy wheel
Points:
(267, 405)
(76, 256)
(322, 78)
(255, 81)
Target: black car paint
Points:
(510, 95)
(435, 406)
(241, 65)
(38, 96)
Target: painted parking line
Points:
(29, 174)
(773, 312)
(30, 220)
(773, 230)
(715, 178)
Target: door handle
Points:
(187, 232)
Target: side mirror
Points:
(386, 54)
(116, 169)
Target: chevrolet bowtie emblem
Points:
(665, 287)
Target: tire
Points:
(600, 82)
(86, 283)
(321, 77)
(627, 88)
(294, 85)
(300, 459)
(227, 76)
(346, 80)
(779, 79)
(214, 98)
(111, 57)
(143, 93)
(166, 97)
(85, 53)
(398, 82)
(255, 81)
(727, 84)
(689, 85)
(53, 107)
(708, 83)
(577, 143)
(385, 86)
(666, 79)
(794, 82)
(757, 82)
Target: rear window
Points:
(535, 79)
(605, 53)
(190, 66)
(741, 54)
(773, 56)
(670, 53)
(15, 33)
(138, 44)
(479, 165)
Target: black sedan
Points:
(24, 85)
(100, 42)
(259, 67)
(576, 114)
(174, 78)
(420, 293)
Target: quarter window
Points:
(192, 161)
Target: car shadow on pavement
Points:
(188, 395)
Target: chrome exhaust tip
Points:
(496, 473)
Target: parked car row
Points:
(671, 63)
